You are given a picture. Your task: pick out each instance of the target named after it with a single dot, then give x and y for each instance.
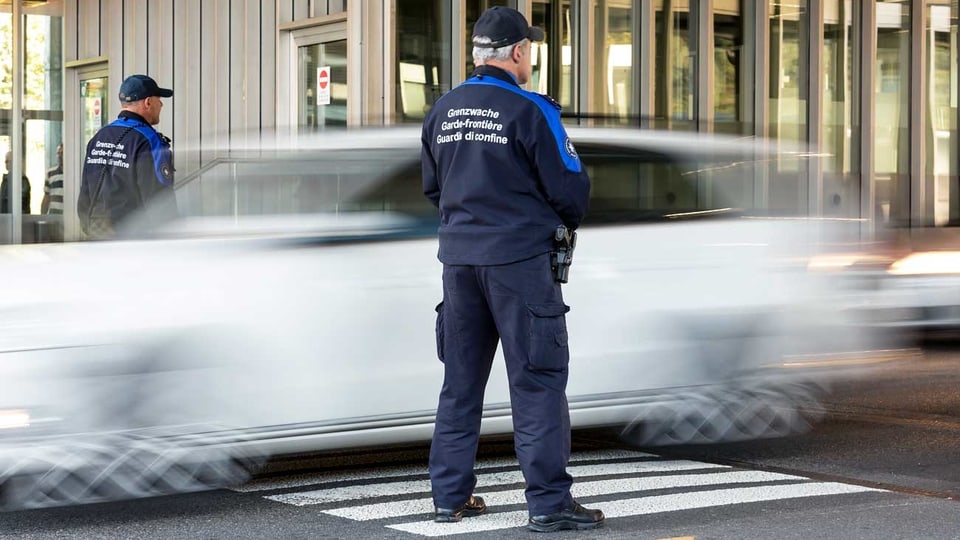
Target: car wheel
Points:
(727, 414)
(115, 467)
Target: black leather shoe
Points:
(575, 517)
(473, 507)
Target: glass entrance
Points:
(40, 117)
(322, 74)
(93, 107)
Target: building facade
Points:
(871, 85)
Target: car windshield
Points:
(314, 182)
(628, 183)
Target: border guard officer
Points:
(500, 167)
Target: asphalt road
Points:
(883, 464)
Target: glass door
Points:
(93, 107)
(94, 102)
(321, 71)
(323, 84)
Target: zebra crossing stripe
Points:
(642, 506)
(268, 484)
(580, 490)
(364, 491)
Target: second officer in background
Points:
(127, 165)
(504, 174)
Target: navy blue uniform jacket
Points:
(135, 164)
(499, 165)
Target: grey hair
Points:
(482, 55)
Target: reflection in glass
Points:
(473, 10)
(639, 186)
(42, 49)
(46, 222)
(282, 182)
(941, 112)
(892, 117)
(612, 64)
(423, 56)
(553, 60)
(96, 107)
(733, 82)
(323, 85)
(675, 65)
(789, 68)
(841, 130)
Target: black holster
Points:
(564, 240)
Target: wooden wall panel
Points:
(245, 66)
(301, 10)
(219, 56)
(214, 72)
(186, 101)
(112, 39)
(71, 29)
(284, 11)
(87, 31)
(268, 73)
(134, 44)
(160, 64)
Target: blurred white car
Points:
(906, 281)
(292, 309)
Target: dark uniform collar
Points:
(495, 72)
(129, 115)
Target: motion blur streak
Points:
(931, 262)
(292, 309)
(14, 419)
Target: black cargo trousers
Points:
(521, 306)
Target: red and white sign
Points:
(94, 111)
(323, 85)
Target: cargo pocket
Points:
(548, 337)
(439, 330)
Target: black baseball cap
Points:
(504, 26)
(137, 87)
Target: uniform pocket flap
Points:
(548, 310)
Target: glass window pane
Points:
(675, 65)
(841, 128)
(554, 65)
(941, 71)
(789, 68)
(473, 10)
(636, 185)
(892, 118)
(423, 56)
(612, 64)
(42, 113)
(45, 171)
(733, 74)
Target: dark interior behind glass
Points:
(627, 185)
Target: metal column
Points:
(868, 68)
(16, 130)
(814, 109)
(705, 66)
(921, 213)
